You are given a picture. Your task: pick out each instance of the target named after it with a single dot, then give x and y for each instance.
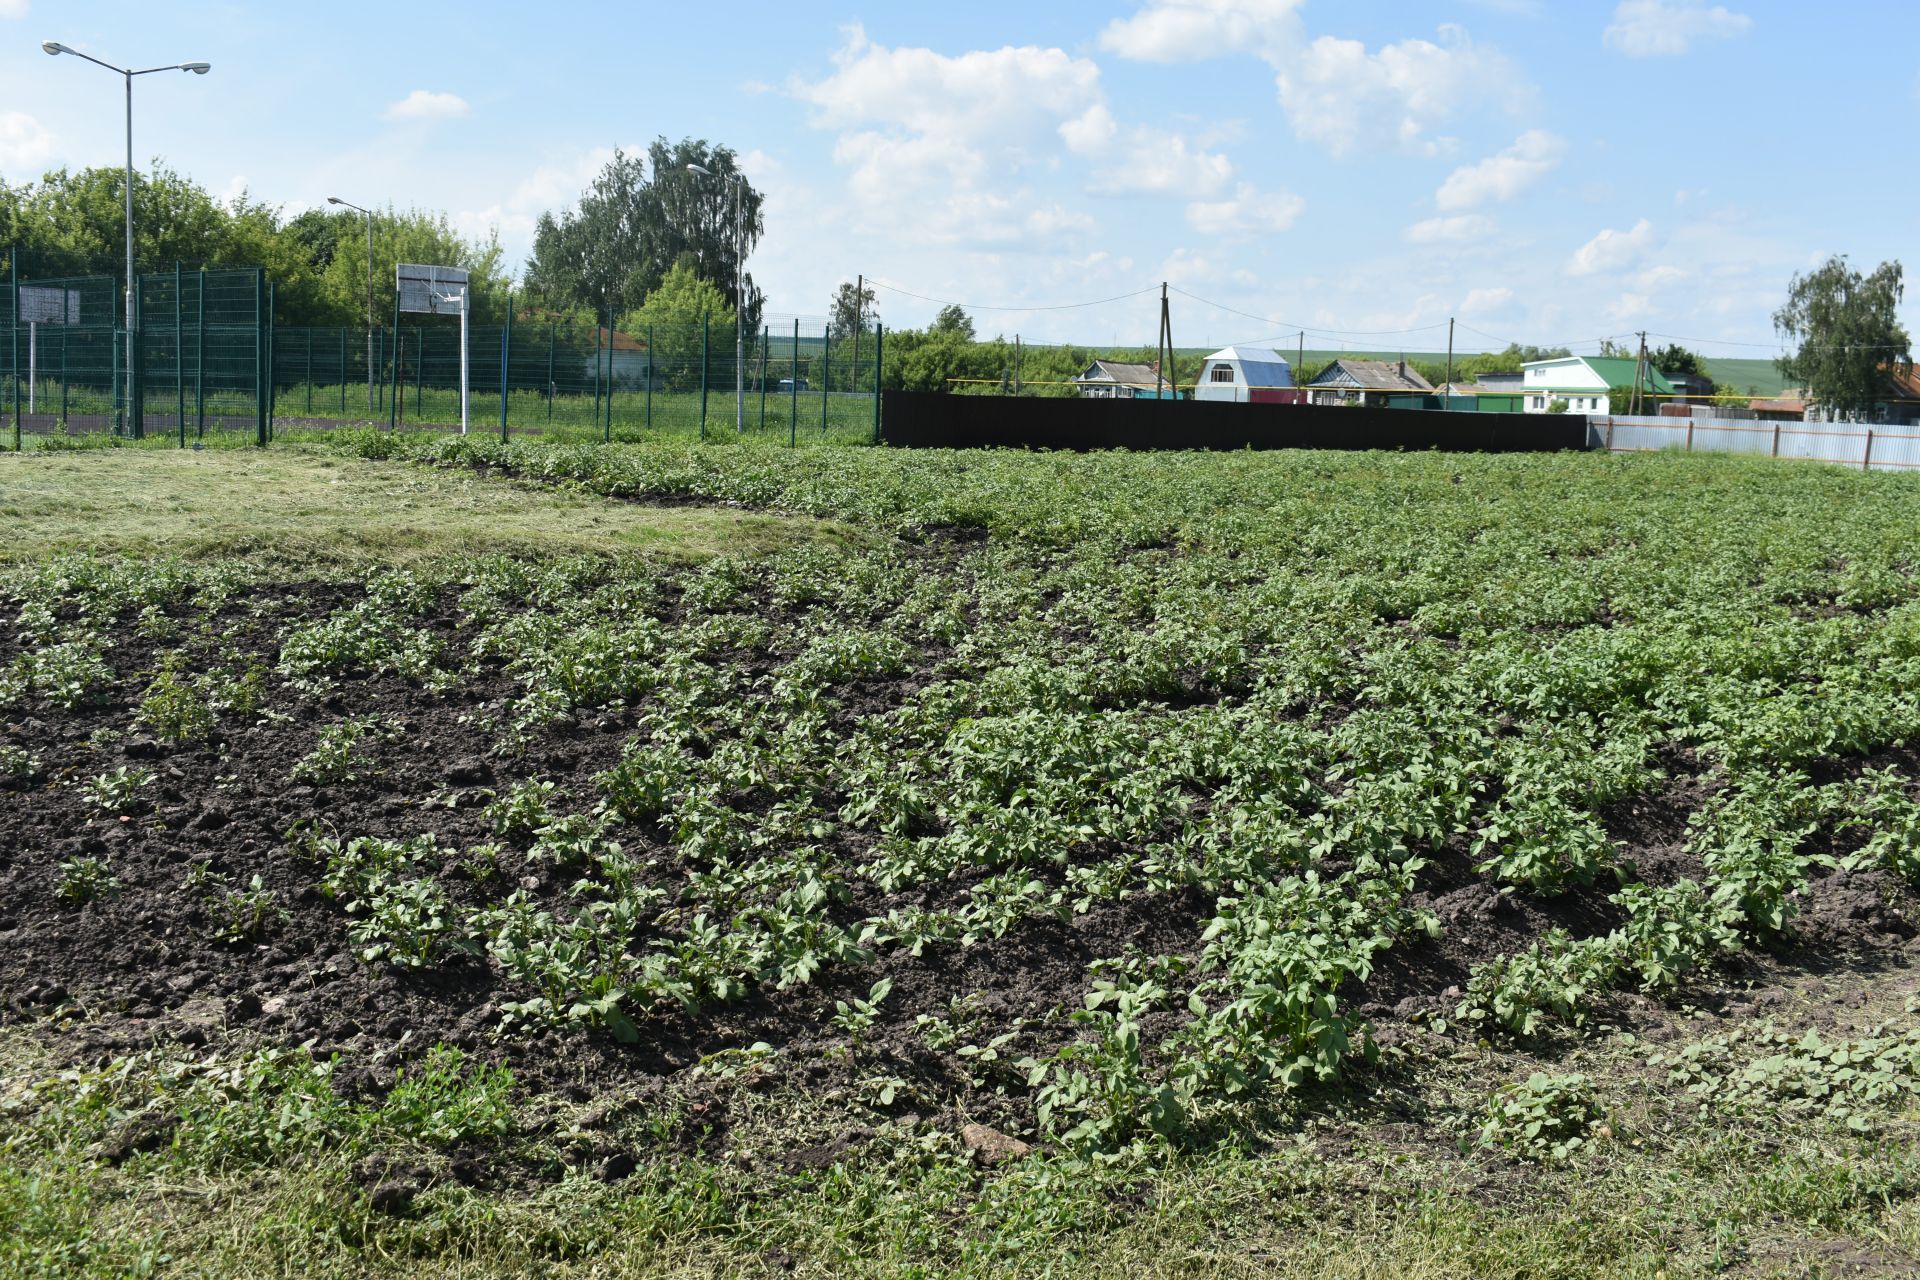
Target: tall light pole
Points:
(54, 49)
(739, 302)
(348, 204)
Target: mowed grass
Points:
(304, 509)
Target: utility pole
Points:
(1446, 397)
(1639, 371)
(1165, 369)
(859, 323)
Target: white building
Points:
(1583, 382)
(1242, 374)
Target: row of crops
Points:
(1219, 731)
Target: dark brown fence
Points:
(925, 420)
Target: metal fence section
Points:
(1863, 445)
(574, 379)
(195, 359)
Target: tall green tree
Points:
(1847, 328)
(641, 216)
(673, 314)
(852, 309)
(953, 320)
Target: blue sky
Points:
(1545, 172)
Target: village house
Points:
(1368, 383)
(1245, 375)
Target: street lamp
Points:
(739, 302)
(54, 49)
(348, 204)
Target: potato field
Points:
(1293, 863)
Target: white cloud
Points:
(1628, 307)
(1461, 227)
(1156, 161)
(13, 8)
(941, 144)
(1339, 95)
(1250, 212)
(1660, 277)
(1483, 302)
(1611, 250)
(1090, 131)
(424, 104)
(1503, 176)
(1184, 266)
(235, 190)
(1659, 28)
(25, 144)
(1335, 92)
(1191, 30)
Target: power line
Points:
(981, 306)
(1296, 328)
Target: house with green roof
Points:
(1583, 382)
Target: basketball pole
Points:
(466, 300)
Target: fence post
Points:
(13, 338)
(704, 317)
(399, 354)
(1776, 441)
(596, 371)
(1689, 435)
(793, 389)
(179, 360)
(1866, 458)
(650, 378)
(1609, 435)
(608, 438)
(766, 332)
(877, 348)
(136, 356)
(343, 372)
(259, 356)
(63, 382)
(506, 354)
(826, 372)
(273, 350)
(200, 359)
(309, 371)
(552, 332)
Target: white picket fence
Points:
(1847, 444)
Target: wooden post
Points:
(1866, 458)
(1776, 441)
(1689, 434)
(1609, 435)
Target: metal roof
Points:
(1259, 366)
(1371, 375)
(1120, 373)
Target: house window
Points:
(1539, 402)
(1223, 373)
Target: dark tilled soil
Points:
(138, 968)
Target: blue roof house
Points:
(1241, 375)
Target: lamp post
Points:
(54, 49)
(739, 302)
(348, 204)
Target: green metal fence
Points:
(551, 377)
(204, 345)
(195, 361)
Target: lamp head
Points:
(700, 168)
(53, 47)
(198, 68)
(333, 200)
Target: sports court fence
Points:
(195, 359)
(205, 355)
